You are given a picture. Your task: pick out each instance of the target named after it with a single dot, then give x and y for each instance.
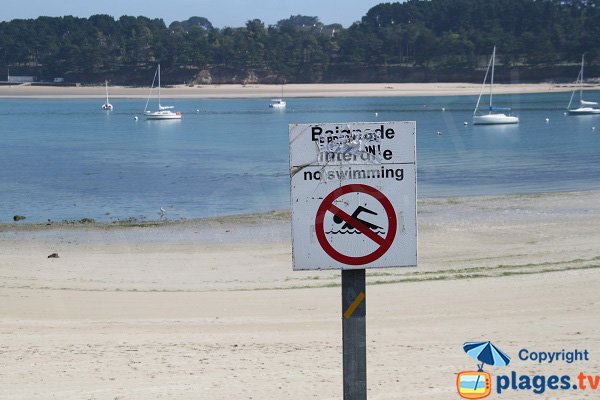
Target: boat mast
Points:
(492, 78)
(574, 90)
(151, 87)
(581, 78)
(106, 85)
(159, 86)
(487, 71)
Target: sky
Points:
(220, 13)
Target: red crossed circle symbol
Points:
(384, 242)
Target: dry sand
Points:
(291, 90)
(212, 309)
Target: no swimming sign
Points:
(353, 188)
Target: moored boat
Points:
(494, 116)
(106, 106)
(163, 112)
(278, 103)
(585, 107)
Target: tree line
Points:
(411, 41)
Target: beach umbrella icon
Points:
(486, 353)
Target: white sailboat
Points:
(107, 106)
(278, 103)
(163, 112)
(585, 107)
(493, 117)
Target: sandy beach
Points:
(290, 91)
(211, 309)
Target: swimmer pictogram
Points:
(354, 223)
(347, 227)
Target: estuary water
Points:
(68, 160)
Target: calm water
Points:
(67, 159)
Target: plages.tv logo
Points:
(478, 384)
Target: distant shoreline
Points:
(273, 91)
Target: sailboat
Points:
(585, 107)
(163, 112)
(493, 117)
(107, 106)
(278, 103)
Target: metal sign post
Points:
(354, 331)
(353, 189)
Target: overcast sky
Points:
(221, 13)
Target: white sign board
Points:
(353, 188)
